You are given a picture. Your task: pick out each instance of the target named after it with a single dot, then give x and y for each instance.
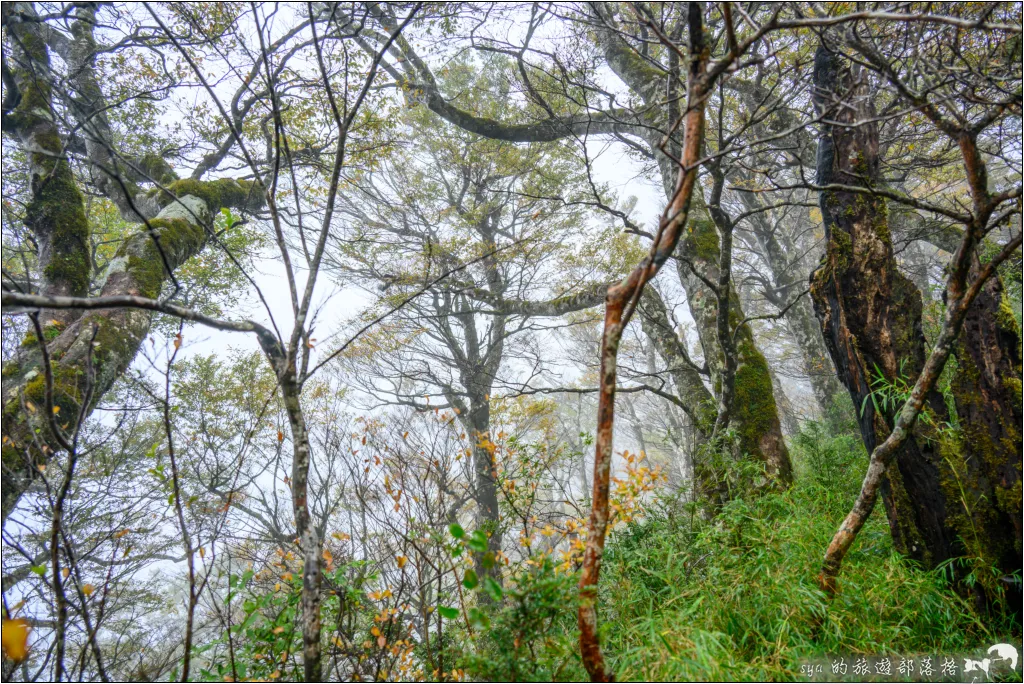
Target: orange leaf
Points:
(280, 436)
(15, 638)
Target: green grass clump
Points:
(735, 598)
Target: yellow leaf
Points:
(277, 587)
(15, 638)
(120, 534)
(64, 572)
(402, 560)
(375, 631)
(177, 341)
(87, 589)
(56, 410)
(30, 406)
(202, 552)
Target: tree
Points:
(497, 217)
(940, 505)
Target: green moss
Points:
(840, 249)
(701, 241)
(755, 411)
(216, 194)
(68, 384)
(1005, 317)
(56, 214)
(155, 167)
(179, 239)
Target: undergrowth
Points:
(735, 598)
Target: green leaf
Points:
(448, 613)
(457, 530)
(478, 542)
(470, 580)
(39, 569)
(479, 619)
(493, 589)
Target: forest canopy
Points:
(555, 341)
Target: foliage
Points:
(735, 599)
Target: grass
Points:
(736, 598)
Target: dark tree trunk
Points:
(987, 465)
(871, 314)
(488, 516)
(944, 497)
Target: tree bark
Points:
(946, 496)
(871, 314)
(987, 463)
(108, 339)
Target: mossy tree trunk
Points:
(754, 414)
(55, 214)
(945, 496)
(987, 461)
(871, 314)
(93, 351)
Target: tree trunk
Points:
(987, 465)
(755, 417)
(944, 496)
(488, 516)
(92, 352)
